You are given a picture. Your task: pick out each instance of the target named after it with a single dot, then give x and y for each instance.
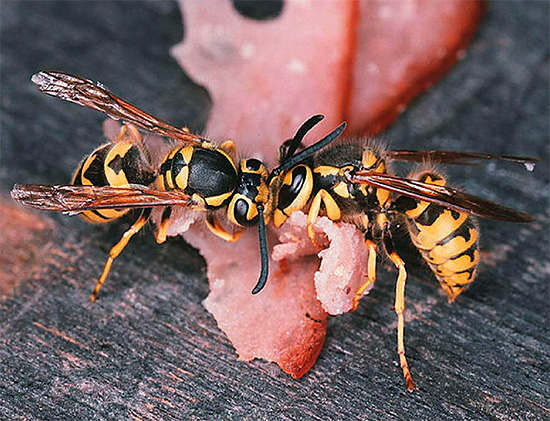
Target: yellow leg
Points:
(128, 132)
(371, 273)
(216, 228)
(331, 207)
(399, 310)
(229, 147)
(116, 250)
(160, 235)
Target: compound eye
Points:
(241, 213)
(253, 164)
(293, 186)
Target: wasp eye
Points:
(294, 181)
(240, 213)
(253, 164)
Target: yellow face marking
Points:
(454, 247)
(301, 199)
(279, 218)
(231, 209)
(263, 194)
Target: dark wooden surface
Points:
(148, 349)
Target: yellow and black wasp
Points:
(120, 175)
(353, 183)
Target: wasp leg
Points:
(371, 273)
(229, 147)
(400, 308)
(216, 228)
(129, 132)
(160, 235)
(117, 249)
(333, 212)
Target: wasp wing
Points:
(440, 195)
(89, 94)
(75, 199)
(460, 158)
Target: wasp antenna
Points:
(264, 255)
(300, 134)
(310, 150)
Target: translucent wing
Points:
(75, 199)
(461, 158)
(88, 94)
(440, 195)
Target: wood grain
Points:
(148, 350)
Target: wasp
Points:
(193, 173)
(353, 182)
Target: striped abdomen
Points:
(447, 240)
(113, 164)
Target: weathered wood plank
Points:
(148, 349)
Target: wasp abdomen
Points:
(114, 164)
(447, 240)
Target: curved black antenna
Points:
(264, 255)
(289, 147)
(310, 150)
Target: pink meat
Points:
(362, 61)
(284, 323)
(403, 48)
(267, 78)
(342, 262)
